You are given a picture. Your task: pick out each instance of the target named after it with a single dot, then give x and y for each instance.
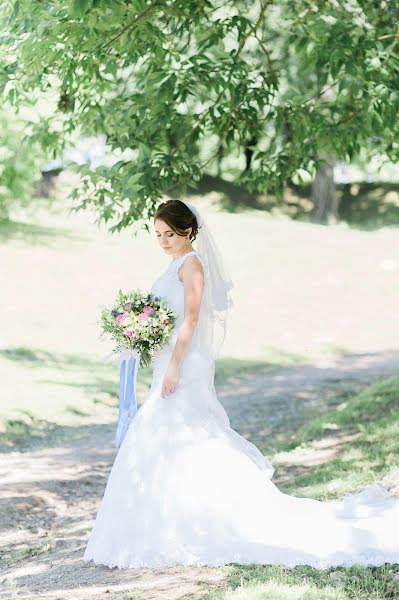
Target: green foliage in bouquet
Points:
(138, 321)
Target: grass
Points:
(36, 234)
(44, 392)
(16, 432)
(377, 402)
(363, 435)
(228, 368)
(29, 551)
(256, 582)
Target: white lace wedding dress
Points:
(186, 489)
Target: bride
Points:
(185, 488)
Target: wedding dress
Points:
(186, 489)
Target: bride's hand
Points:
(170, 381)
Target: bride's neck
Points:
(184, 251)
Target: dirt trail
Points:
(49, 495)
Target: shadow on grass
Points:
(36, 235)
(21, 434)
(227, 370)
(98, 381)
(37, 357)
(269, 402)
(369, 206)
(363, 205)
(346, 448)
(31, 434)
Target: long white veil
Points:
(217, 299)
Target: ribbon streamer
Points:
(129, 361)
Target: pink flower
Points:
(142, 316)
(148, 310)
(121, 318)
(128, 332)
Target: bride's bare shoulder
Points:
(191, 264)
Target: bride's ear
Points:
(190, 230)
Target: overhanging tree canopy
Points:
(173, 83)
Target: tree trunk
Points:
(249, 151)
(324, 193)
(219, 158)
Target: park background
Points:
(309, 369)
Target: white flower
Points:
(328, 19)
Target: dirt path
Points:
(49, 495)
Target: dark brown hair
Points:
(178, 216)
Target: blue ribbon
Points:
(127, 395)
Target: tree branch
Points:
(252, 30)
(132, 23)
(389, 35)
(269, 60)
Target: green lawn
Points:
(363, 437)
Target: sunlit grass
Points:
(378, 401)
(264, 582)
(280, 591)
(365, 430)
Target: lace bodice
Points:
(169, 286)
(196, 360)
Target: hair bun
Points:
(179, 216)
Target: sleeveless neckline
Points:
(185, 254)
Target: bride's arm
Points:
(193, 281)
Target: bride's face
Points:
(169, 240)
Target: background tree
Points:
(20, 162)
(177, 84)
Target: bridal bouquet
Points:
(139, 324)
(138, 321)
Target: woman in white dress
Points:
(185, 488)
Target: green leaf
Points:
(134, 178)
(79, 7)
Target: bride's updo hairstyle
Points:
(178, 216)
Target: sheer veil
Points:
(217, 299)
